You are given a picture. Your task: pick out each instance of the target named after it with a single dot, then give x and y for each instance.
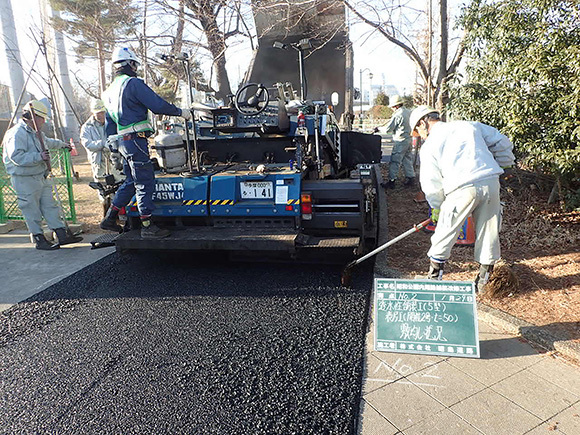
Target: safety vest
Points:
(112, 98)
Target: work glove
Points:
(508, 174)
(45, 156)
(113, 143)
(186, 114)
(434, 215)
(117, 161)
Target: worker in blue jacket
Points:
(128, 100)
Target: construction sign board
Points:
(426, 317)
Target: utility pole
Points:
(12, 51)
(56, 55)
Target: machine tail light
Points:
(306, 206)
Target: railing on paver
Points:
(62, 177)
(368, 125)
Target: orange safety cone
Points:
(73, 148)
(467, 235)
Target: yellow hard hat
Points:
(97, 106)
(37, 108)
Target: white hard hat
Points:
(37, 108)
(97, 106)
(418, 113)
(122, 54)
(395, 100)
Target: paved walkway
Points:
(511, 389)
(25, 271)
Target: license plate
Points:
(257, 189)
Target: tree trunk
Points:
(217, 48)
(101, 58)
(144, 46)
(443, 52)
(178, 42)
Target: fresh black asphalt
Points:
(158, 343)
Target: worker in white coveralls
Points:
(461, 162)
(94, 139)
(402, 153)
(26, 163)
(128, 100)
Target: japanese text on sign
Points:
(430, 317)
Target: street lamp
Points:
(361, 93)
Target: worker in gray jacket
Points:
(401, 153)
(94, 139)
(461, 162)
(26, 163)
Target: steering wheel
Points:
(256, 103)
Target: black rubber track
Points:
(152, 344)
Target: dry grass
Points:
(87, 205)
(502, 283)
(539, 278)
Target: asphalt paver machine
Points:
(269, 173)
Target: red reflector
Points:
(306, 208)
(288, 208)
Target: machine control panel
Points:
(229, 120)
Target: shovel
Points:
(346, 276)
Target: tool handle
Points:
(395, 240)
(40, 138)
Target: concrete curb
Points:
(538, 335)
(6, 227)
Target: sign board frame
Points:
(421, 316)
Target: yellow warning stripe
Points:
(195, 202)
(212, 202)
(293, 201)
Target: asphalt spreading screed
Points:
(184, 344)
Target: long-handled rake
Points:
(346, 276)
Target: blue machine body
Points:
(235, 193)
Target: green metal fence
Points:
(61, 177)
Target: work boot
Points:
(43, 244)
(66, 237)
(151, 231)
(482, 277)
(110, 221)
(409, 182)
(388, 185)
(436, 269)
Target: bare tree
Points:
(218, 21)
(386, 20)
(400, 23)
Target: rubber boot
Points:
(389, 184)
(43, 244)
(110, 221)
(66, 237)
(151, 231)
(436, 269)
(482, 277)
